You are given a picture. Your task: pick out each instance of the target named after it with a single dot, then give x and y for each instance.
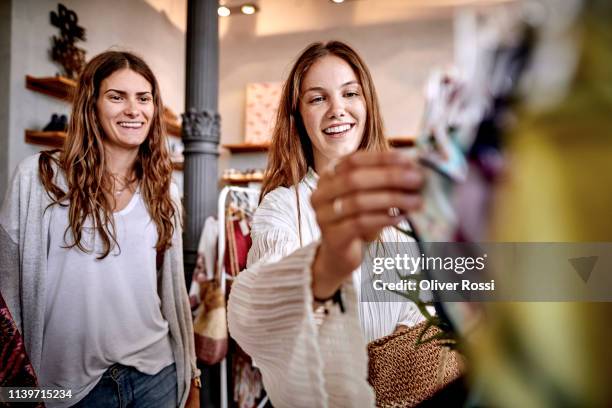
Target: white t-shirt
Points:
(102, 312)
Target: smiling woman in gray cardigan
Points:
(91, 253)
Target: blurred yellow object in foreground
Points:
(559, 190)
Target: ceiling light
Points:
(223, 11)
(337, 1)
(248, 9)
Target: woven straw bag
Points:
(210, 325)
(404, 374)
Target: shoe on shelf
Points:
(51, 126)
(63, 123)
(58, 123)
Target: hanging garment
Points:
(248, 385)
(206, 260)
(15, 367)
(239, 242)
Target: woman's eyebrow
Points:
(115, 90)
(319, 88)
(125, 93)
(314, 88)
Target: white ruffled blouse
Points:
(305, 360)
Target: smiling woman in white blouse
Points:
(329, 187)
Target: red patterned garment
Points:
(15, 367)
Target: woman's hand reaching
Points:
(353, 202)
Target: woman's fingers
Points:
(351, 205)
(392, 177)
(374, 159)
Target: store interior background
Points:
(400, 40)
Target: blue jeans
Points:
(122, 387)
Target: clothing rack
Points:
(231, 193)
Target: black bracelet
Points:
(336, 298)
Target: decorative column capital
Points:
(201, 125)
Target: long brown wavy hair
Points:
(83, 163)
(290, 152)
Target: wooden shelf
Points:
(62, 88)
(57, 87)
(241, 180)
(403, 141)
(246, 147)
(56, 139)
(52, 139)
